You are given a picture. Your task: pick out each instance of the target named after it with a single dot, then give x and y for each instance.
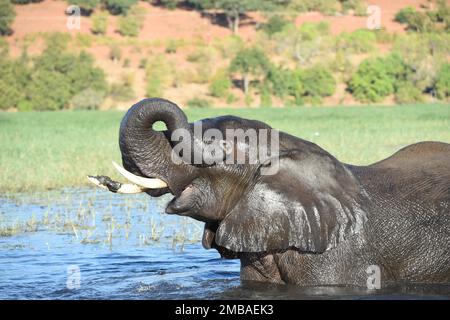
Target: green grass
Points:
(50, 150)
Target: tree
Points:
(59, 76)
(250, 62)
(87, 99)
(14, 77)
(443, 82)
(371, 82)
(220, 84)
(129, 26)
(24, 1)
(318, 82)
(119, 6)
(429, 21)
(301, 84)
(407, 92)
(7, 15)
(234, 9)
(327, 7)
(286, 83)
(274, 25)
(405, 14)
(378, 77)
(86, 6)
(169, 4)
(99, 22)
(131, 23)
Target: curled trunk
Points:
(148, 152)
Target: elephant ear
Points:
(312, 203)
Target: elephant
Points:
(315, 221)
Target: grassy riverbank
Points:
(49, 150)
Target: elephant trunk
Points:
(148, 152)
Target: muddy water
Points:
(89, 244)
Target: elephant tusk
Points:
(150, 183)
(126, 188)
(95, 181)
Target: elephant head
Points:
(310, 201)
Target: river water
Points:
(92, 244)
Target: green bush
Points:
(396, 68)
(341, 63)
(420, 22)
(359, 41)
(429, 21)
(442, 86)
(99, 22)
(296, 86)
(49, 90)
(358, 6)
(371, 82)
(376, 78)
(116, 7)
(274, 25)
(425, 54)
(7, 15)
(407, 93)
(87, 100)
(198, 103)
(405, 14)
(129, 26)
(231, 98)
(86, 6)
(310, 30)
(285, 83)
(318, 82)
(220, 85)
(266, 97)
(83, 40)
(250, 62)
(24, 106)
(383, 36)
(57, 41)
(14, 77)
(58, 76)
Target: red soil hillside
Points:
(162, 24)
(49, 15)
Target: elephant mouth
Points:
(187, 203)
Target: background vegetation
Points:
(284, 64)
